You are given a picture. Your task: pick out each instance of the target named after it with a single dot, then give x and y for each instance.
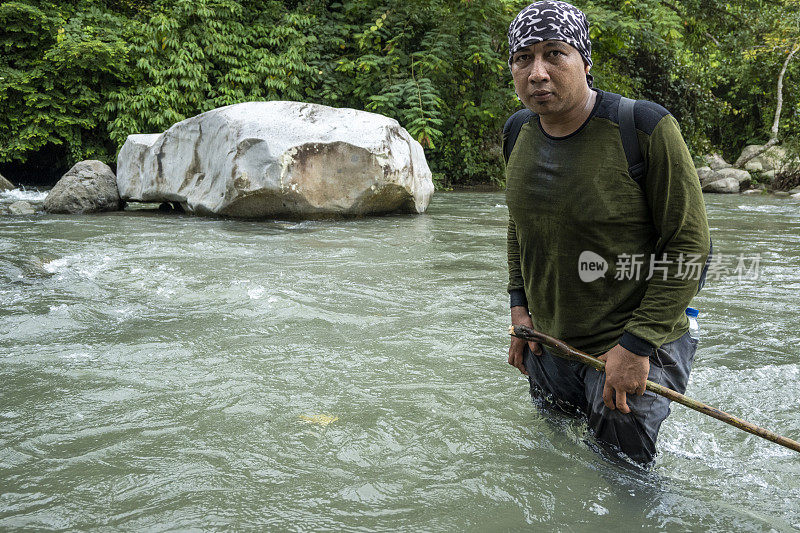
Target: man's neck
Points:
(563, 125)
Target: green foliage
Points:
(438, 67)
(84, 74)
(730, 48)
(191, 56)
(57, 64)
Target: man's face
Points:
(550, 77)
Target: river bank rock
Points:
(88, 187)
(21, 208)
(769, 160)
(753, 166)
(715, 161)
(268, 159)
(704, 173)
(738, 174)
(722, 180)
(5, 185)
(724, 185)
(774, 158)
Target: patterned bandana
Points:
(550, 20)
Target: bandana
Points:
(550, 20)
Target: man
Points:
(573, 205)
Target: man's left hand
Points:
(626, 373)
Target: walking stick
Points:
(566, 351)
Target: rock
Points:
(704, 173)
(135, 163)
(769, 174)
(269, 159)
(753, 166)
(796, 196)
(794, 190)
(724, 185)
(21, 208)
(781, 194)
(751, 191)
(5, 185)
(88, 187)
(773, 159)
(716, 161)
(711, 176)
(738, 174)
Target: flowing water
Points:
(168, 372)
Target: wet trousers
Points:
(572, 386)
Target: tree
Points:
(782, 40)
(191, 56)
(78, 76)
(438, 67)
(57, 62)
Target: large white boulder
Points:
(268, 159)
(88, 187)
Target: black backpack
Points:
(630, 143)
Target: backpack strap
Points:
(511, 130)
(636, 163)
(630, 142)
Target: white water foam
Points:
(765, 208)
(15, 195)
(89, 270)
(56, 265)
(76, 356)
(598, 509)
(256, 292)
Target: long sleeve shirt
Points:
(597, 258)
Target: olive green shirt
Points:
(573, 195)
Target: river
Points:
(169, 372)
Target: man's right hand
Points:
(520, 317)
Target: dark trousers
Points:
(572, 386)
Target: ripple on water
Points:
(160, 372)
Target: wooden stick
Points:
(566, 351)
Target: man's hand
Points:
(626, 373)
(520, 317)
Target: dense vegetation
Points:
(78, 76)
